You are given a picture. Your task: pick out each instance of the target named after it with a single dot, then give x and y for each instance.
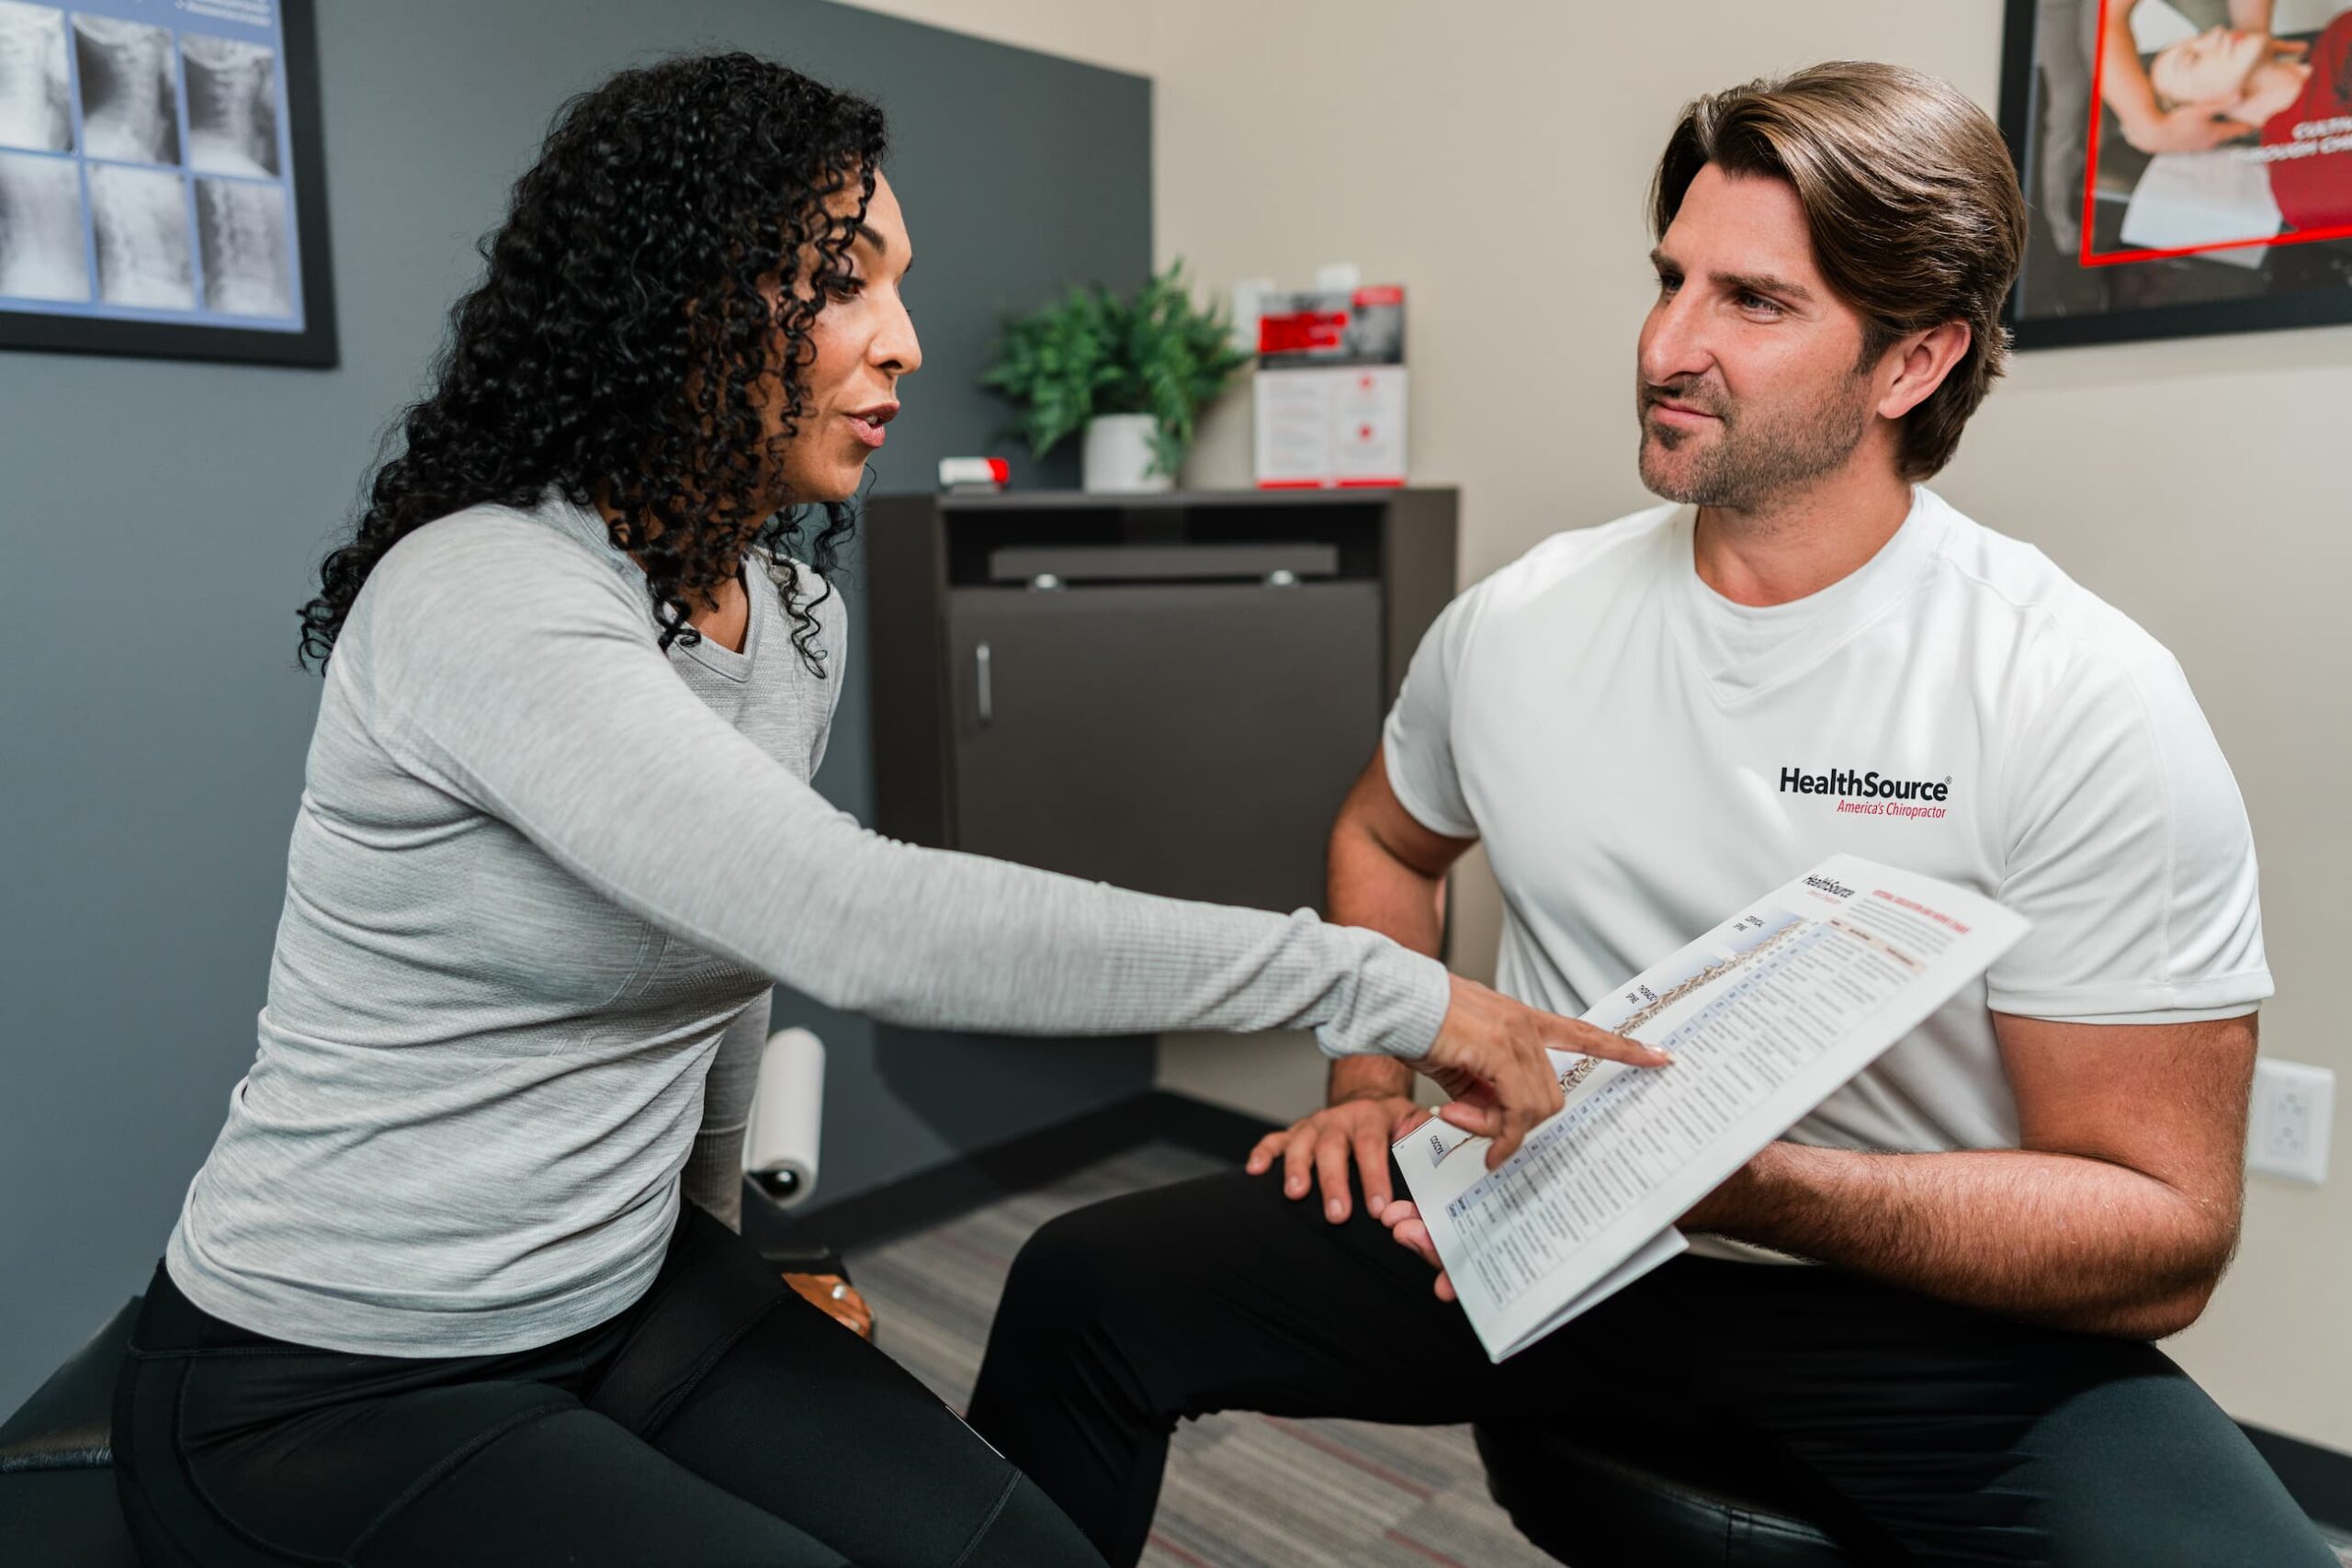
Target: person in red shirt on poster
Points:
(2298, 99)
(2311, 168)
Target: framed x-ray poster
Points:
(2188, 166)
(161, 190)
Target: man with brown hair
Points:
(1997, 1217)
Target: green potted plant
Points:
(1132, 375)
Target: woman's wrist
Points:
(1397, 1007)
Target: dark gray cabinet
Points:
(1171, 693)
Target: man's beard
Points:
(1753, 461)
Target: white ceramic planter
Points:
(1118, 456)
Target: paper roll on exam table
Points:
(782, 1135)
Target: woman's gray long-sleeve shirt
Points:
(540, 868)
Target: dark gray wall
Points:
(162, 522)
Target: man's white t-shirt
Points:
(1642, 756)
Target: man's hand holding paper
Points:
(1771, 1013)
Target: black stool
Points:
(57, 1494)
(1637, 1496)
(57, 1499)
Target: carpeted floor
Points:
(1243, 1491)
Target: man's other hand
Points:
(1317, 1149)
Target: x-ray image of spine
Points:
(241, 231)
(36, 106)
(40, 228)
(231, 106)
(128, 109)
(140, 219)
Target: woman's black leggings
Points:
(721, 1420)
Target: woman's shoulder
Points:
(483, 537)
(487, 564)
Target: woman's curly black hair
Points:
(615, 348)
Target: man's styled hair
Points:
(1912, 203)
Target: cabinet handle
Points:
(988, 687)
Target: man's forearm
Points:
(2074, 1243)
(1370, 888)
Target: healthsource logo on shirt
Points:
(1872, 794)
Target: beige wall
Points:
(1494, 156)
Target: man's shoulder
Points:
(2052, 618)
(1571, 554)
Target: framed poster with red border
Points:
(2187, 165)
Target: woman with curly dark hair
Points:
(457, 1282)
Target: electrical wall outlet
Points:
(2293, 1106)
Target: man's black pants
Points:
(1929, 1433)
